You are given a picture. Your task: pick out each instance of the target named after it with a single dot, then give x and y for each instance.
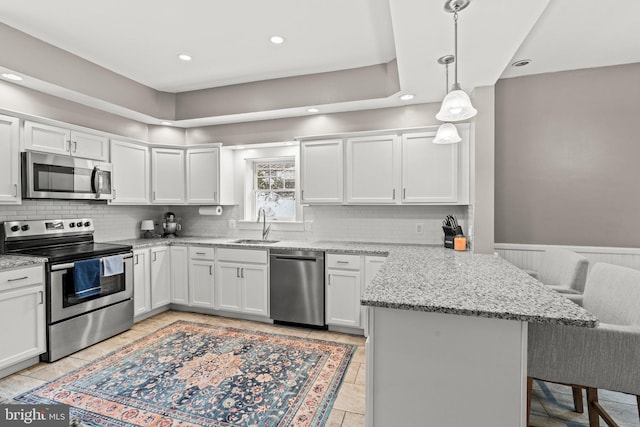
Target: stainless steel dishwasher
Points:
(297, 286)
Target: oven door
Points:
(50, 176)
(65, 302)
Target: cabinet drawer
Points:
(11, 279)
(255, 256)
(345, 262)
(201, 252)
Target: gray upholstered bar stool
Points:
(563, 271)
(606, 357)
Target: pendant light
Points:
(456, 105)
(447, 133)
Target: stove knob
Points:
(86, 224)
(72, 225)
(25, 227)
(15, 228)
(79, 224)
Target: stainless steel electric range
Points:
(86, 301)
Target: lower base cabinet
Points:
(160, 276)
(141, 282)
(201, 277)
(242, 286)
(22, 315)
(179, 275)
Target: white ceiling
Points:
(229, 41)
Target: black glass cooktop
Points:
(76, 252)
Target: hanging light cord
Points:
(455, 48)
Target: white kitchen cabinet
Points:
(201, 277)
(160, 276)
(179, 275)
(9, 160)
(242, 281)
(429, 171)
(372, 264)
(141, 282)
(203, 181)
(22, 312)
(131, 173)
(372, 169)
(167, 176)
(57, 140)
(343, 292)
(321, 171)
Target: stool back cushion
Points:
(612, 293)
(563, 268)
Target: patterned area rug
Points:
(192, 374)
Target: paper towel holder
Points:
(210, 210)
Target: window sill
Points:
(275, 225)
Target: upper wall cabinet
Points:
(429, 171)
(209, 176)
(167, 176)
(56, 140)
(372, 169)
(131, 173)
(9, 160)
(321, 171)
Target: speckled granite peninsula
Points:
(14, 261)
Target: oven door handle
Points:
(58, 267)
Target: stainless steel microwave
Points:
(52, 176)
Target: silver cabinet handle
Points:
(41, 297)
(18, 278)
(67, 145)
(114, 193)
(136, 259)
(329, 281)
(242, 273)
(15, 189)
(404, 193)
(342, 262)
(302, 194)
(75, 146)
(215, 195)
(394, 194)
(237, 272)
(200, 253)
(155, 256)
(210, 271)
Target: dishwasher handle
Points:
(294, 258)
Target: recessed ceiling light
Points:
(312, 110)
(521, 63)
(166, 123)
(184, 57)
(407, 97)
(276, 39)
(10, 76)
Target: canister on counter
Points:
(460, 243)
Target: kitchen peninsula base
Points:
(439, 369)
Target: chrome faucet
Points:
(265, 229)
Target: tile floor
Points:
(551, 404)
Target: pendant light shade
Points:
(456, 107)
(447, 134)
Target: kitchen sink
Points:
(255, 241)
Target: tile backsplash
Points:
(390, 224)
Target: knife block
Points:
(449, 234)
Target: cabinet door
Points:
(255, 290)
(167, 168)
(46, 138)
(179, 275)
(229, 288)
(429, 171)
(203, 184)
(373, 166)
(9, 160)
(160, 277)
(201, 283)
(141, 282)
(131, 173)
(372, 264)
(321, 171)
(343, 298)
(89, 146)
(23, 309)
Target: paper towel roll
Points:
(210, 210)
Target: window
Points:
(274, 188)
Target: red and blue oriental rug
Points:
(191, 374)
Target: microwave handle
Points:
(95, 176)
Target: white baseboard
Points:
(528, 257)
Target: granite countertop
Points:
(14, 261)
(434, 279)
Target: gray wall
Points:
(567, 158)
